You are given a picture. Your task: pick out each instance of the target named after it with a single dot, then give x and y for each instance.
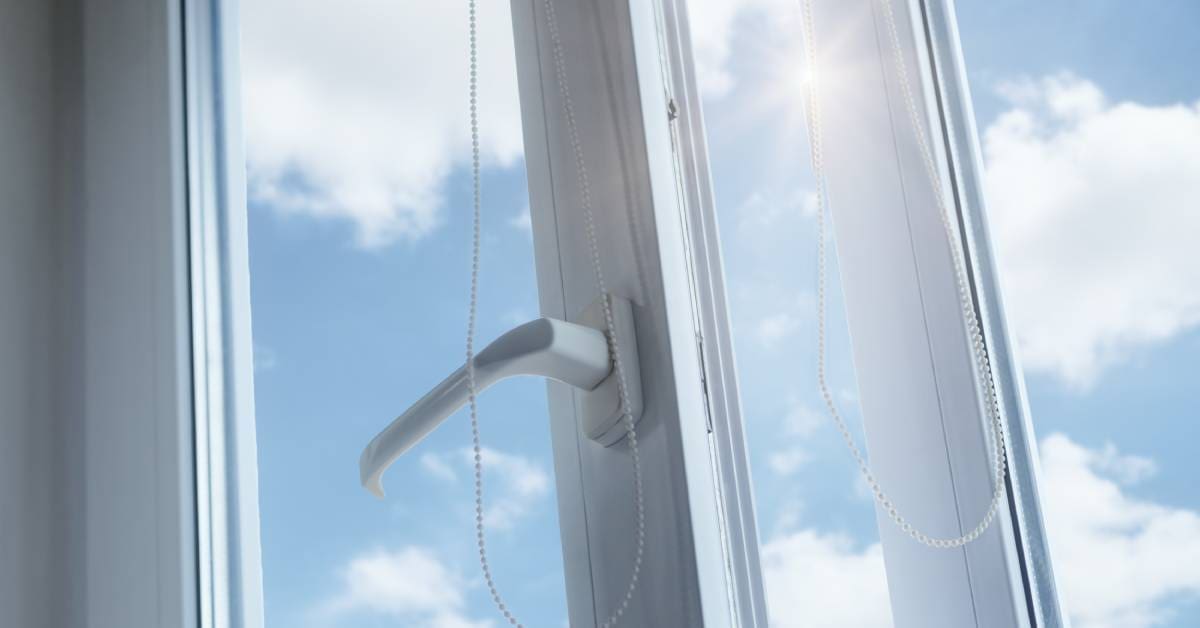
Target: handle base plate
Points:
(601, 413)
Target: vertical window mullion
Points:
(620, 63)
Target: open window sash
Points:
(631, 73)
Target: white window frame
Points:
(127, 452)
(135, 501)
(916, 386)
(626, 61)
(951, 93)
(627, 77)
(169, 527)
(175, 117)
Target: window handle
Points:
(571, 353)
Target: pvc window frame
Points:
(1005, 579)
(164, 512)
(924, 421)
(700, 498)
(949, 90)
(627, 62)
(133, 517)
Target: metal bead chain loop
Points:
(610, 325)
(978, 348)
(471, 315)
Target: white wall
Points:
(38, 528)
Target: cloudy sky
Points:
(356, 126)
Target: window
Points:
(166, 457)
(354, 232)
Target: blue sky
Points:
(359, 222)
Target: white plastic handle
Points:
(570, 353)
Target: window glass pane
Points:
(823, 565)
(360, 218)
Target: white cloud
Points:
(522, 222)
(1094, 208)
(357, 110)
(787, 461)
(516, 316)
(1122, 562)
(809, 206)
(265, 358)
(410, 584)
(775, 327)
(523, 484)
(801, 420)
(714, 26)
(772, 233)
(798, 424)
(513, 485)
(1093, 204)
(818, 581)
(712, 29)
(1122, 468)
(764, 214)
(434, 465)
